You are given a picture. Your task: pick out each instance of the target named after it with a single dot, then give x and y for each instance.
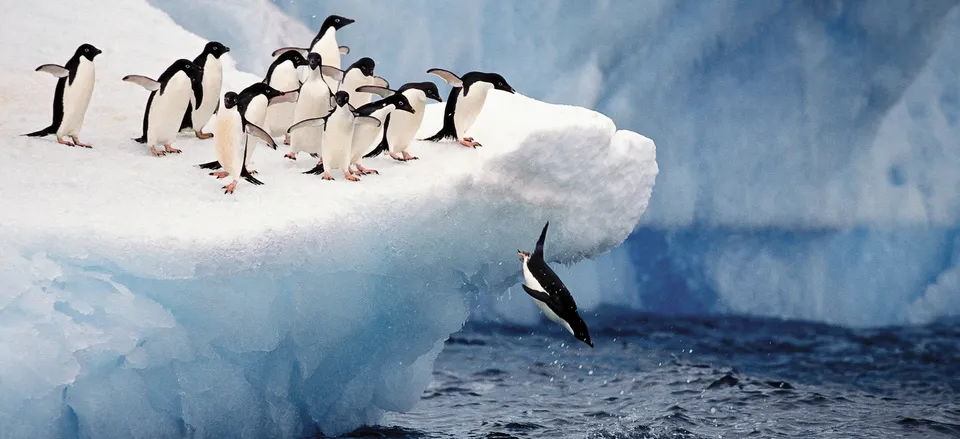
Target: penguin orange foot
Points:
(168, 148)
(79, 143)
(64, 142)
(228, 189)
(202, 135)
(220, 174)
(153, 150)
(469, 142)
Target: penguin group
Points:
(339, 116)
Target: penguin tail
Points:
(44, 132)
(210, 165)
(141, 139)
(381, 148)
(447, 132)
(317, 170)
(187, 122)
(249, 177)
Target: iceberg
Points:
(139, 301)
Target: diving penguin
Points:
(231, 144)
(549, 293)
(72, 95)
(206, 90)
(462, 106)
(169, 97)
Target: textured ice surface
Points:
(808, 149)
(137, 300)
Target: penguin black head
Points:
(87, 51)
(365, 64)
(230, 99)
(334, 21)
(215, 48)
(314, 60)
(189, 67)
(402, 103)
(293, 56)
(260, 88)
(342, 98)
(428, 88)
(498, 82)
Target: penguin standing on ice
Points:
(549, 293)
(282, 75)
(231, 144)
(465, 102)
(399, 129)
(365, 136)
(360, 74)
(338, 129)
(72, 95)
(325, 43)
(206, 90)
(169, 98)
(253, 103)
(314, 101)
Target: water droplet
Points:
(590, 373)
(713, 409)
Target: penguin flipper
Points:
(210, 165)
(378, 80)
(332, 72)
(254, 130)
(368, 120)
(538, 295)
(314, 122)
(54, 69)
(287, 96)
(142, 81)
(382, 91)
(448, 76)
(283, 50)
(344, 50)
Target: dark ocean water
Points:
(684, 377)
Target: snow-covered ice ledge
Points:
(136, 300)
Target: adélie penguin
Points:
(338, 129)
(206, 90)
(169, 98)
(399, 129)
(325, 44)
(253, 102)
(71, 96)
(465, 102)
(282, 75)
(231, 144)
(548, 292)
(314, 101)
(365, 136)
(359, 74)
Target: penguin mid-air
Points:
(325, 43)
(338, 129)
(169, 98)
(365, 136)
(465, 102)
(206, 90)
(71, 96)
(282, 75)
(360, 74)
(549, 293)
(399, 129)
(231, 144)
(314, 101)
(253, 102)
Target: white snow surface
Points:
(137, 300)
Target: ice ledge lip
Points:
(539, 162)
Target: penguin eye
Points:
(336, 20)
(86, 50)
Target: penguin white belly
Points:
(535, 285)
(280, 116)
(351, 81)
(366, 137)
(211, 82)
(468, 107)
(76, 99)
(256, 114)
(228, 134)
(403, 125)
(337, 139)
(166, 111)
(329, 52)
(314, 102)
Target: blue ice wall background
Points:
(808, 150)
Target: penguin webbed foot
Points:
(230, 188)
(291, 156)
(77, 142)
(64, 142)
(408, 157)
(168, 148)
(366, 171)
(327, 176)
(469, 142)
(156, 153)
(202, 135)
(220, 174)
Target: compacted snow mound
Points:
(137, 300)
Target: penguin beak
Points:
(347, 21)
(226, 49)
